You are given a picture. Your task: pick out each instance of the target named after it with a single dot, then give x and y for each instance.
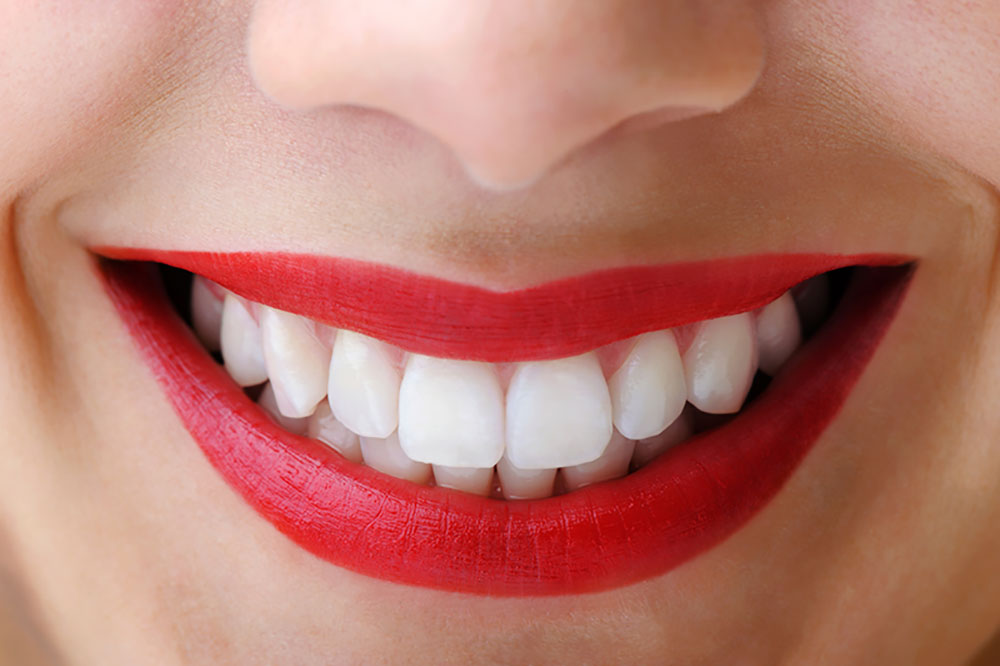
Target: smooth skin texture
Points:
(503, 144)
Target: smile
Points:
(571, 437)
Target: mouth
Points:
(567, 438)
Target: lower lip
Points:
(612, 534)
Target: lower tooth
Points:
(386, 455)
(206, 313)
(651, 447)
(517, 483)
(269, 402)
(475, 480)
(612, 464)
(324, 426)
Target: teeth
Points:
(647, 449)
(451, 412)
(242, 350)
(269, 402)
(558, 413)
(516, 483)
(297, 362)
(648, 391)
(560, 418)
(778, 333)
(206, 313)
(385, 455)
(720, 364)
(612, 464)
(475, 480)
(364, 385)
(324, 426)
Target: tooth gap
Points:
(815, 301)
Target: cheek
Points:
(68, 67)
(932, 67)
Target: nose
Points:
(510, 86)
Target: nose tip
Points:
(511, 88)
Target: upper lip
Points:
(429, 315)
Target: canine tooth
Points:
(269, 403)
(558, 413)
(451, 412)
(297, 362)
(364, 385)
(325, 427)
(612, 464)
(516, 483)
(720, 363)
(648, 390)
(242, 351)
(475, 480)
(206, 313)
(385, 455)
(649, 448)
(778, 333)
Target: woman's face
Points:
(500, 145)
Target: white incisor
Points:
(451, 412)
(648, 391)
(364, 385)
(558, 413)
(297, 361)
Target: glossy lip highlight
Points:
(428, 315)
(607, 535)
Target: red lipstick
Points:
(447, 319)
(611, 534)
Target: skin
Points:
(503, 144)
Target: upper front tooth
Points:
(242, 350)
(720, 364)
(558, 413)
(451, 412)
(648, 391)
(364, 385)
(206, 313)
(297, 362)
(778, 333)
